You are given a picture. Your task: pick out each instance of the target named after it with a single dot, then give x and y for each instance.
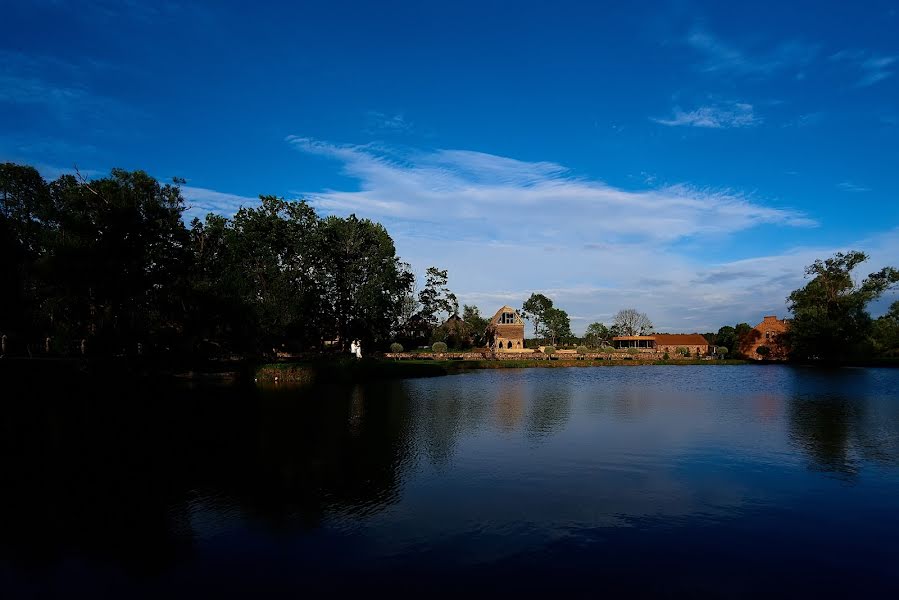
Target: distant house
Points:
(768, 333)
(454, 331)
(454, 324)
(508, 330)
(664, 342)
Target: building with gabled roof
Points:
(508, 330)
(768, 333)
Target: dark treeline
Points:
(108, 267)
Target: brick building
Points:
(508, 330)
(767, 333)
(665, 342)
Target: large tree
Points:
(436, 301)
(597, 334)
(476, 325)
(830, 317)
(274, 268)
(115, 263)
(535, 310)
(630, 321)
(24, 204)
(556, 325)
(363, 282)
(886, 332)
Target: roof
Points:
(681, 339)
(677, 339)
(772, 322)
(507, 308)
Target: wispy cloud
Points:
(805, 120)
(739, 114)
(505, 227)
(201, 201)
(502, 197)
(724, 56)
(872, 67)
(144, 11)
(58, 88)
(848, 186)
(378, 122)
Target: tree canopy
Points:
(110, 265)
(630, 321)
(556, 325)
(535, 310)
(597, 334)
(830, 317)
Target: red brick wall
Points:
(767, 333)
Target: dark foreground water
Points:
(687, 481)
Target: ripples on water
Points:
(730, 481)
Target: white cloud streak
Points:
(723, 56)
(505, 228)
(736, 115)
(201, 201)
(499, 198)
(848, 186)
(871, 66)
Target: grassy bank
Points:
(347, 370)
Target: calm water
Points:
(721, 481)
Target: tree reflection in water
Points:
(837, 433)
(121, 473)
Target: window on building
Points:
(507, 318)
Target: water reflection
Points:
(839, 435)
(549, 411)
(510, 404)
(491, 468)
(823, 429)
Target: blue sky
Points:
(684, 158)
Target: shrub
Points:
(666, 356)
(682, 351)
(722, 351)
(439, 347)
(549, 350)
(632, 351)
(396, 347)
(582, 349)
(763, 351)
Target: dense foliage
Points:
(552, 324)
(830, 316)
(597, 334)
(108, 266)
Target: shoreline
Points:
(351, 370)
(111, 371)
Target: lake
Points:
(728, 481)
